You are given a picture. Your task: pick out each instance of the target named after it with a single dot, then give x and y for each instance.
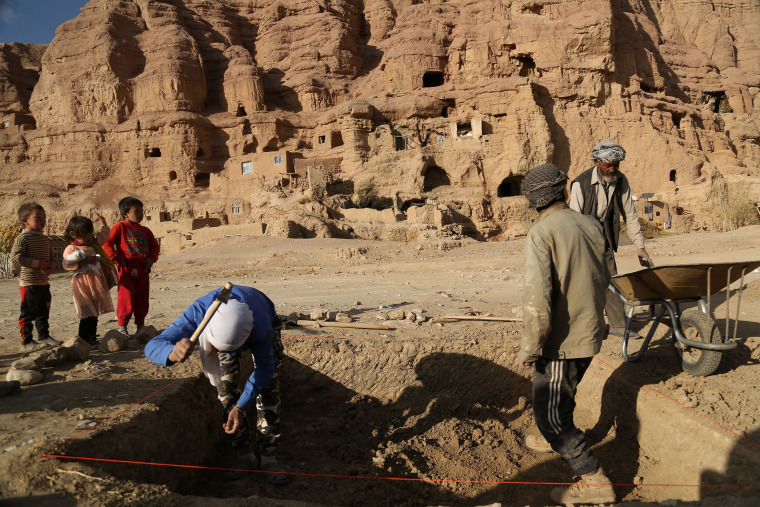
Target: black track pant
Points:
(554, 385)
(35, 311)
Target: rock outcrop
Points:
(318, 106)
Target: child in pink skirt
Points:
(94, 273)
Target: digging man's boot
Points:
(592, 488)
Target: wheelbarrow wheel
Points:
(698, 326)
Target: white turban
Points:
(227, 331)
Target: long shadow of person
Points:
(741, 476)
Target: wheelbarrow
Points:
(697, 339)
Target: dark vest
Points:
(611, 220)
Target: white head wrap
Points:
(607, 151)
(227, 331)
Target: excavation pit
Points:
(422, 421)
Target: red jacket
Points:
(129, 241)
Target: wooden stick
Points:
(353, 325)
(222, 297)
(480, 317)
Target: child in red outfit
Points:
(134, 248)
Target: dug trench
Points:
(426, 421)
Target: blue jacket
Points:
(259, 342)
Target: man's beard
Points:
(612, 178)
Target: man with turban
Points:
(247, 322)
(565, 283)
(602, 192)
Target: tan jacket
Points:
(566, 281)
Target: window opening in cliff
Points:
(432, 78)
(677, 119)
(200, 153)
(412, 203)
(399, 142)
(673, 175)
(448, 108)
(237, 208)
(527, 65)
(6, 124)
(464, 130)
(247, 167)
(718, 102)
(322, 139)
(337, 139)
(509, 187)
(154, 152)
(202, 180)
(278, 159)
(435, 177)
(533, 8)
(172, 175)
(246, 127)
(240, 111)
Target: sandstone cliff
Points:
(389, 118)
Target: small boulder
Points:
(146, 334)
(113, 341)
(24, 377)
(77, 349)
(343, 317)
(8, 386)
(397, 315)
(28, 363)
(56, 356)
(320, 314)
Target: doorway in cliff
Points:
(435, 177)
(509, 186)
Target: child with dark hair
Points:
(33, 251)
(94, 273)
(134, 248)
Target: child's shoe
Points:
(122, 330)
(32, 346)
(51, 342)
(139, 328)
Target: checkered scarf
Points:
(543, 185)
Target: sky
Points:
(35, 21)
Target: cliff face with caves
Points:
(387, 118)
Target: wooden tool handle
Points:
(210, 313)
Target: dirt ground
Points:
(430, 413)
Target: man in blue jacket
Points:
(248, 321)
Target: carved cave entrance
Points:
(509, 187)
(435, 177)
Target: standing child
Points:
(94, 275)
(134, 248)
(33, 251)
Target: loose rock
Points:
(146, 334)
(77, 349)
(113, 341)
(24, 377)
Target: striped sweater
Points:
(30, 248)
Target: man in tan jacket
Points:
(566, 279)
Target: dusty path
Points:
(430, 400)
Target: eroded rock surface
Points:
(299, 112)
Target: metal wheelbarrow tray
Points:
(697, 339)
